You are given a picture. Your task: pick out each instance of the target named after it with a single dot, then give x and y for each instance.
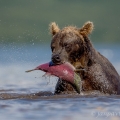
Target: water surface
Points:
(28, 96)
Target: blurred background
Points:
(27, 21)
(24, 24)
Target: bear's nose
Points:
(56, 59)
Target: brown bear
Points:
(71, 44)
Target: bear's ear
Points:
(87, 28)
(54, 28)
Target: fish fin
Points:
(46, 74)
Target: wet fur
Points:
(73, 45)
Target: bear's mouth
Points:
(57, 63)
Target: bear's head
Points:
(70, 43)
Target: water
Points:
(28, 96)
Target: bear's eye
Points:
(67, 47)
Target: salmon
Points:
(64, 71)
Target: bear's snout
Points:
(56, 59)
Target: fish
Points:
(65, 71)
